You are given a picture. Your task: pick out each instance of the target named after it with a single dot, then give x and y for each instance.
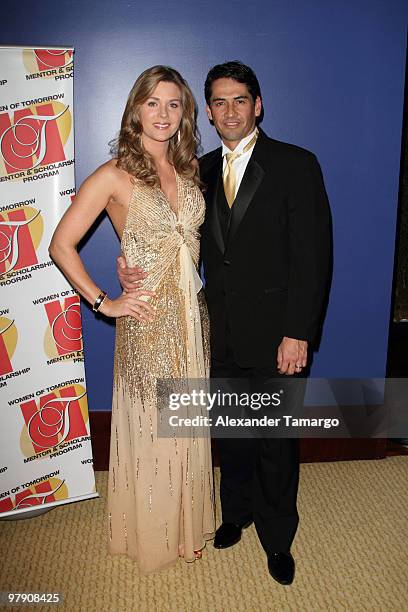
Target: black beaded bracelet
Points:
(99, 301)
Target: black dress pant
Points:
(259, 476)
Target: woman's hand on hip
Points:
(130, 304)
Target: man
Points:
(265, 247)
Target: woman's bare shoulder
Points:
(109, 177)
(109, 170)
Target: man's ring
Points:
(298, 367)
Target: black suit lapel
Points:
(212, 180)
(251, 180)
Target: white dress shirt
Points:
(241, 162)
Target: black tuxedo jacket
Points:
(269, 277)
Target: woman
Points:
(160, 498)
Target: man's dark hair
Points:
(233, 70)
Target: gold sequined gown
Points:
(160, 493)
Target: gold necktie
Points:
(229, 177)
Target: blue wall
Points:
(332, 78)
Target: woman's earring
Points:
(178, 137)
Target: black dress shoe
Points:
(281, 567)
(229, 534)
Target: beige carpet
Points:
(351, 553)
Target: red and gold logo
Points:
(21, 231)
(33, 137)
(50, 490)
(64, 334)
(8, 343)
(50, 61)
(54, 418)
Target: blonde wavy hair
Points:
(128, 147)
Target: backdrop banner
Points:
(45, 447)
